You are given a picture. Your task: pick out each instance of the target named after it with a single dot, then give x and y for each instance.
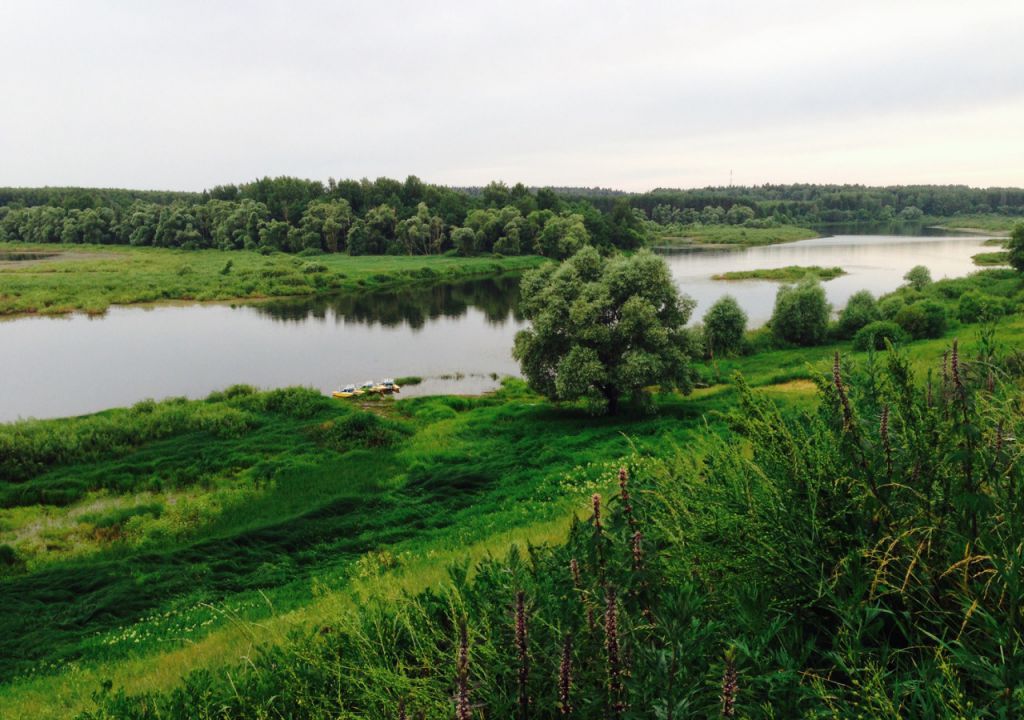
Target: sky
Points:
(185, 95)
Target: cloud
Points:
(634, 95)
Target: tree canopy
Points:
(1016, 247)
(604, 329)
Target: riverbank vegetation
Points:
(790, 273)
(91, 277)
(660, 563)
(984, 259)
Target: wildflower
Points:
(462, 708)
(401, 709)
(730, 686)
(596, 500)
(637, 550)
(574, 568)
(627, 508)
(611, 639)
(565, 677)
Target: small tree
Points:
(604, 329)
(919, 277)
(724, 325)
(801, 313)
(861, 309)
(1016, 248)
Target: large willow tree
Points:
(604, 329)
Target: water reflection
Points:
(411, 306)
(457, 337)
(872, 262)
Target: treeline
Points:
(386, 216)
(293, 215)
(820, 204)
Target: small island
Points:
(987, 259)
(790, 273)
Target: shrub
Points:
(976, 306)
(359, 429)
(724, 325)
(861, 309)
(889, 307)
(923, 319)
(801, 313)
(1016, 248)
(873, 335)
(918, 277)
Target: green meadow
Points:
(144, 543)
(91, 278)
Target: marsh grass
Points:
(92, 278)
(836, 566)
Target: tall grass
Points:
(860, 560)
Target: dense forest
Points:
(385, 216)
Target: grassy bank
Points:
(983, 223)
(152, 540)
(91, 278)
(737, 235)
(156, 540)
(790, 273)
(991, 258)
(433, 483)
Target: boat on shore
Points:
(385, 387)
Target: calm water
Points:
(67, 366)
(873, 262)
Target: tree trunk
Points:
(612, 395)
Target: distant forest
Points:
(386, 216)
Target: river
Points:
(458, 338)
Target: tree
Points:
(801, 313)
(604, 329)
(724, 325)
(924, 319)
(861, 309)
(562, 236)
(919, 277)
(1016, 248)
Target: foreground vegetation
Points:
(91, 278)
(820, 572)
(180, 534)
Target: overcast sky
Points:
(633, 95)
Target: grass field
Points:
(983, 223)
(240, 511)
(790, 273)
(731, 235)
(179, 535)
(91, 278)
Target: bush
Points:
(873, 335)
(359, 430)
(918, 277)
(724, 325)
(889, 307)
(861, 310)
(923, 319)
(1016, 248)
(801, 313)
(976, 306)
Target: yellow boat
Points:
(349, 391)
(386, 387)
